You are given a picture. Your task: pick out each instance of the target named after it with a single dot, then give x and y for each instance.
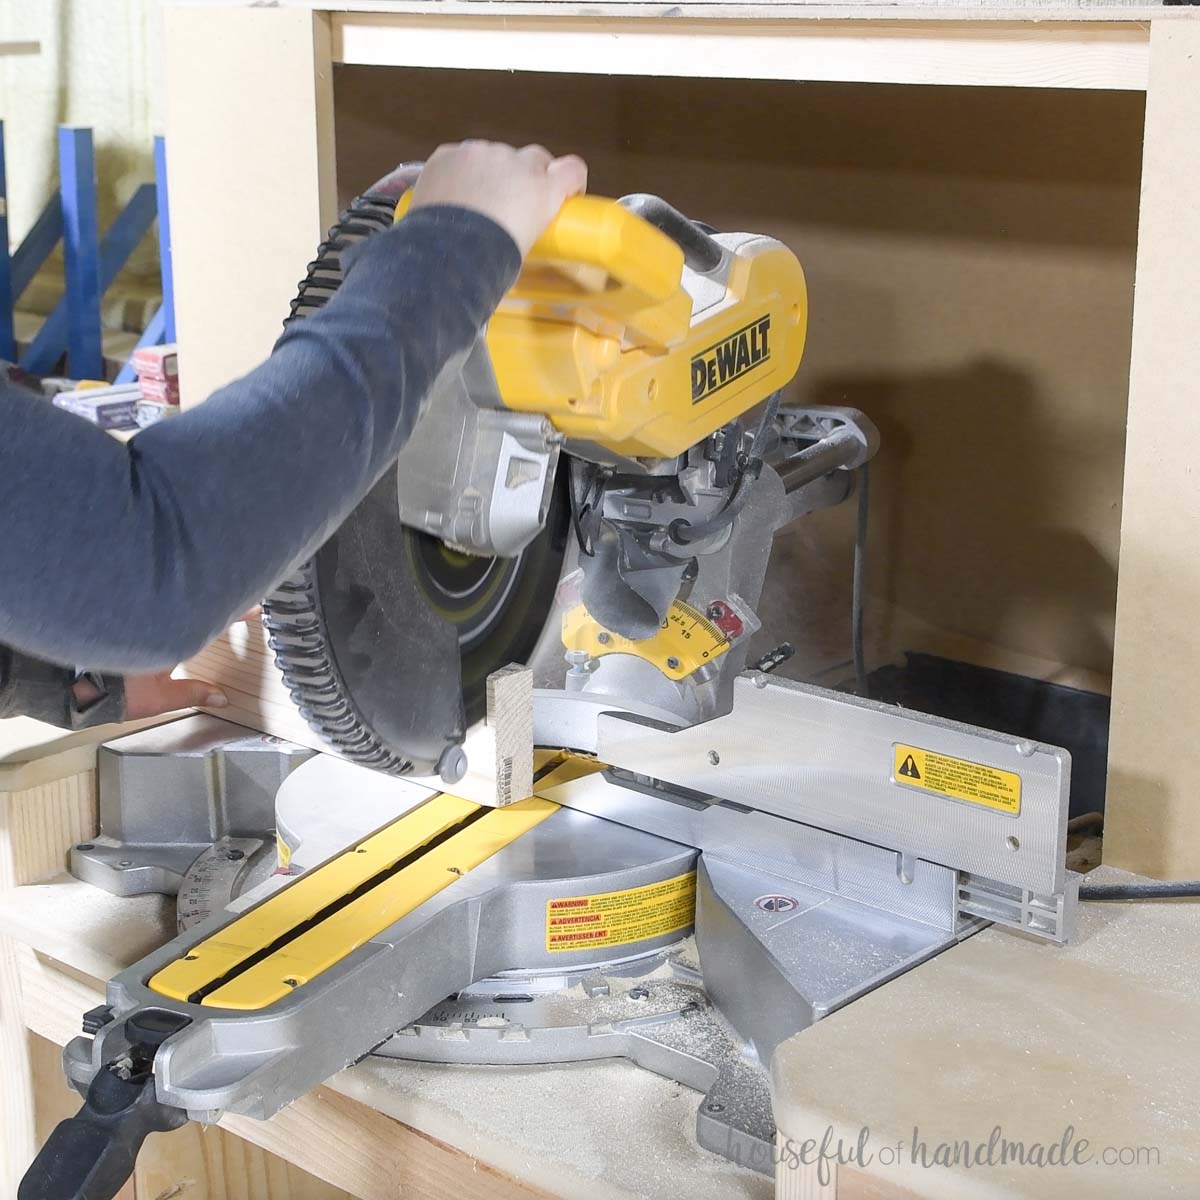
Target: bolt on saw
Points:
(709, 858)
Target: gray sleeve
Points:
(131, 558)
(32, 688)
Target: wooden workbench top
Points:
(33, 753)
(1101, 1037)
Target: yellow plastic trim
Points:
(573, 766)
(599, 335)
(318, 949)
(686, 640)
(214, 957)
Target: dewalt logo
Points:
(729, 360)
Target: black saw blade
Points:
(386, 636)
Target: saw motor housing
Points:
(620, 345)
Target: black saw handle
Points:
(90, 1156)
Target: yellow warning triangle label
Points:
(918, 769)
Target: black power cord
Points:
(858, 590)
(1167, 889)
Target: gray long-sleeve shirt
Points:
(130, 558)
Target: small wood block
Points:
(510, 722)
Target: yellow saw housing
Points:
(601, 333)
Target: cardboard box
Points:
(105, 407)
(157, 362)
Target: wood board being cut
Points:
(241, 663)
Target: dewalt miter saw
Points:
(605, 413)
(712, 858)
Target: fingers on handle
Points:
(569, 175)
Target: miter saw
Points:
(712, 858)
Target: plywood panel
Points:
(1154, 757)
(866, 10)
(948, 1052)
(976, 54)
(248, 123)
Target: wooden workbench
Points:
(1093, 1047)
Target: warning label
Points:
(957, 778)
(617, 918)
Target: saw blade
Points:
(386, 637)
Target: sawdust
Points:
(602, 1129)
(94, 931)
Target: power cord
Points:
(858, 590)
(1167, 889)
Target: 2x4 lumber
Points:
(37, 825)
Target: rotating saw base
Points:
(648, 1006)
(650, 1009)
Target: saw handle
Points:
(91, 1156)
(641, 261)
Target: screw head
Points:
(234, 855)
(673, 663)
(714, 758)
(290, 982)
(125, 862)
(638, 993)
(603, 638)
